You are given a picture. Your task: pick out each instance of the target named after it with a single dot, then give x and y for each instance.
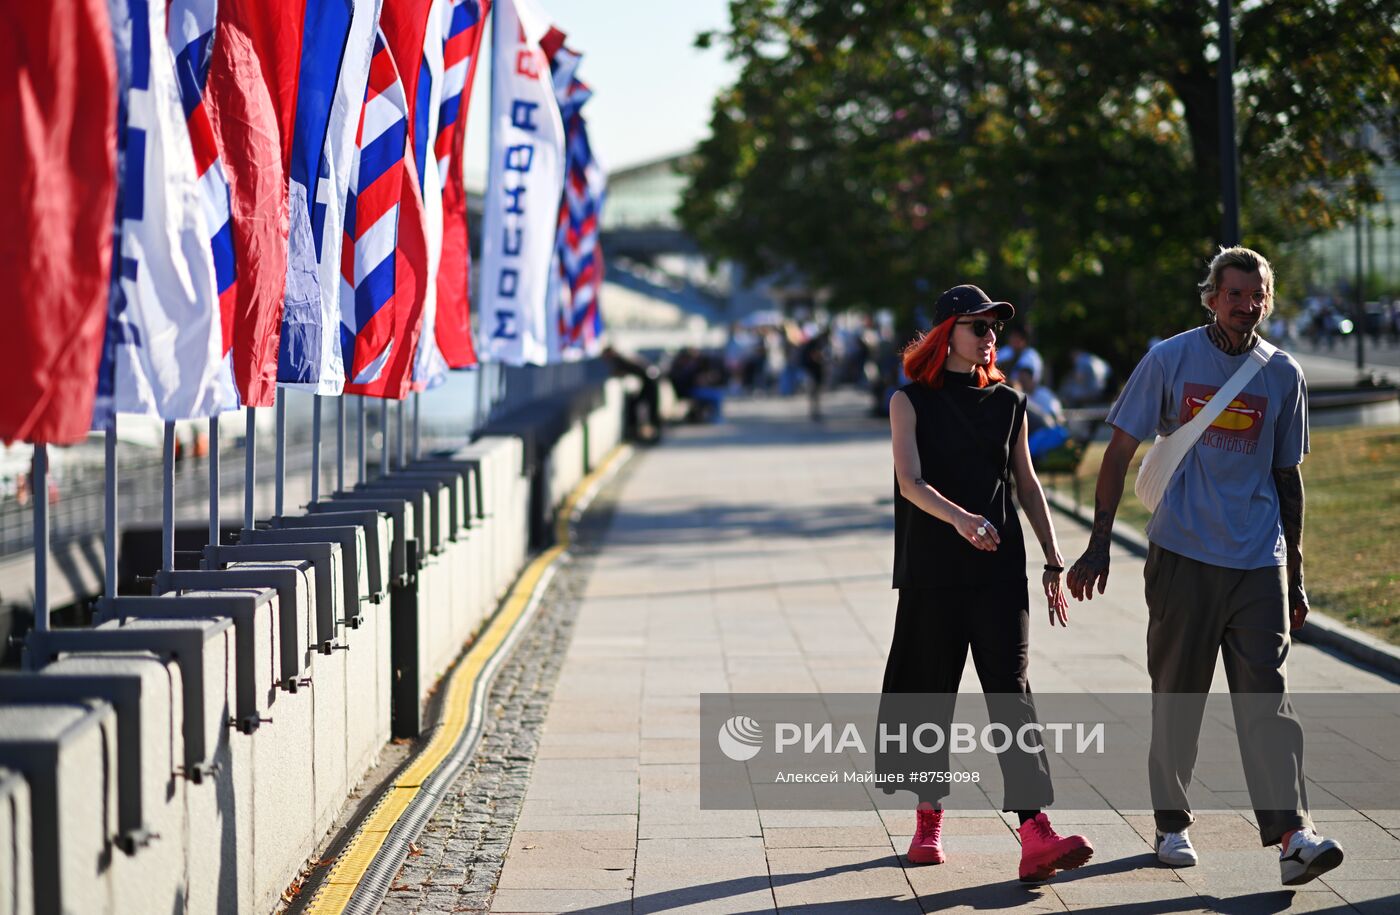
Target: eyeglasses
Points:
(1237, 296)
(980, 327)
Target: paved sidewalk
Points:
(755, 556)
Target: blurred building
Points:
(643, 237)
(1331, 257)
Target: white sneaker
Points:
(1306, 857)
(1174, 849)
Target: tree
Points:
(1062, 153)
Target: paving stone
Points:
(1366, 895)
(751, 895)
(1002, 896)
(823, 837)
(871, 876)
(596, 902)
(583, 840)
(544, 877)
(1086, 893)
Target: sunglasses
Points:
(981, 326)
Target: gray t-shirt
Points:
(1221, 506)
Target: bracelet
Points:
(1050, 568)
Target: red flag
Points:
(58, 100)
(453, 323)
(252, 95)
(404, 23)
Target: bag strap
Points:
(1259, 357)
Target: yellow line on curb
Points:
(349, 869)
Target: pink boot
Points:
(927, 847)
(1043, 851)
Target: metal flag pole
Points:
(360, 457)
(383, 437)
(399, 410)
(417, 425)
(480, 377)
(502, 388)
(109, 535)
(1359, 324)
(316, 448)
(167, 512)
(279, 479)
(340, 443)
(214, 480)
(250, 463)
(39, 492)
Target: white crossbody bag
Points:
(1167, 452)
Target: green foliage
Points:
(1061, 153)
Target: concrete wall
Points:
(176, 758)
(16, 875)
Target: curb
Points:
(1352, 645)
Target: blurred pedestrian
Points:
(1045, 416)
(642, 412)
(813, 358)
(1088, 379)
(1021, 355)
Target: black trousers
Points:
(934, 630)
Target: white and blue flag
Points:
(164, 342)
(525, 181)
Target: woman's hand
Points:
(978, 531)
(1059, 606)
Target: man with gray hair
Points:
(1224, 569)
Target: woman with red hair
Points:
(959, 437)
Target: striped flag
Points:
(581, 253)
(429, 368)
(191, 34)
(336, 45)
(164, 343)
(372, 224)
(578, 255)
(461, 51)
(58, 196)
(378, 282)
(403, 25)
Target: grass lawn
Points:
(1351, 534)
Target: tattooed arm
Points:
(1092, 567)
(1289, 482)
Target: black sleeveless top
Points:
(972, 472)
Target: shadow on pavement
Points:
(999, 895)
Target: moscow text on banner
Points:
(526, 178)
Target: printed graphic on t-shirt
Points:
(1238, 426)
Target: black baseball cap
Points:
(968, 300)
